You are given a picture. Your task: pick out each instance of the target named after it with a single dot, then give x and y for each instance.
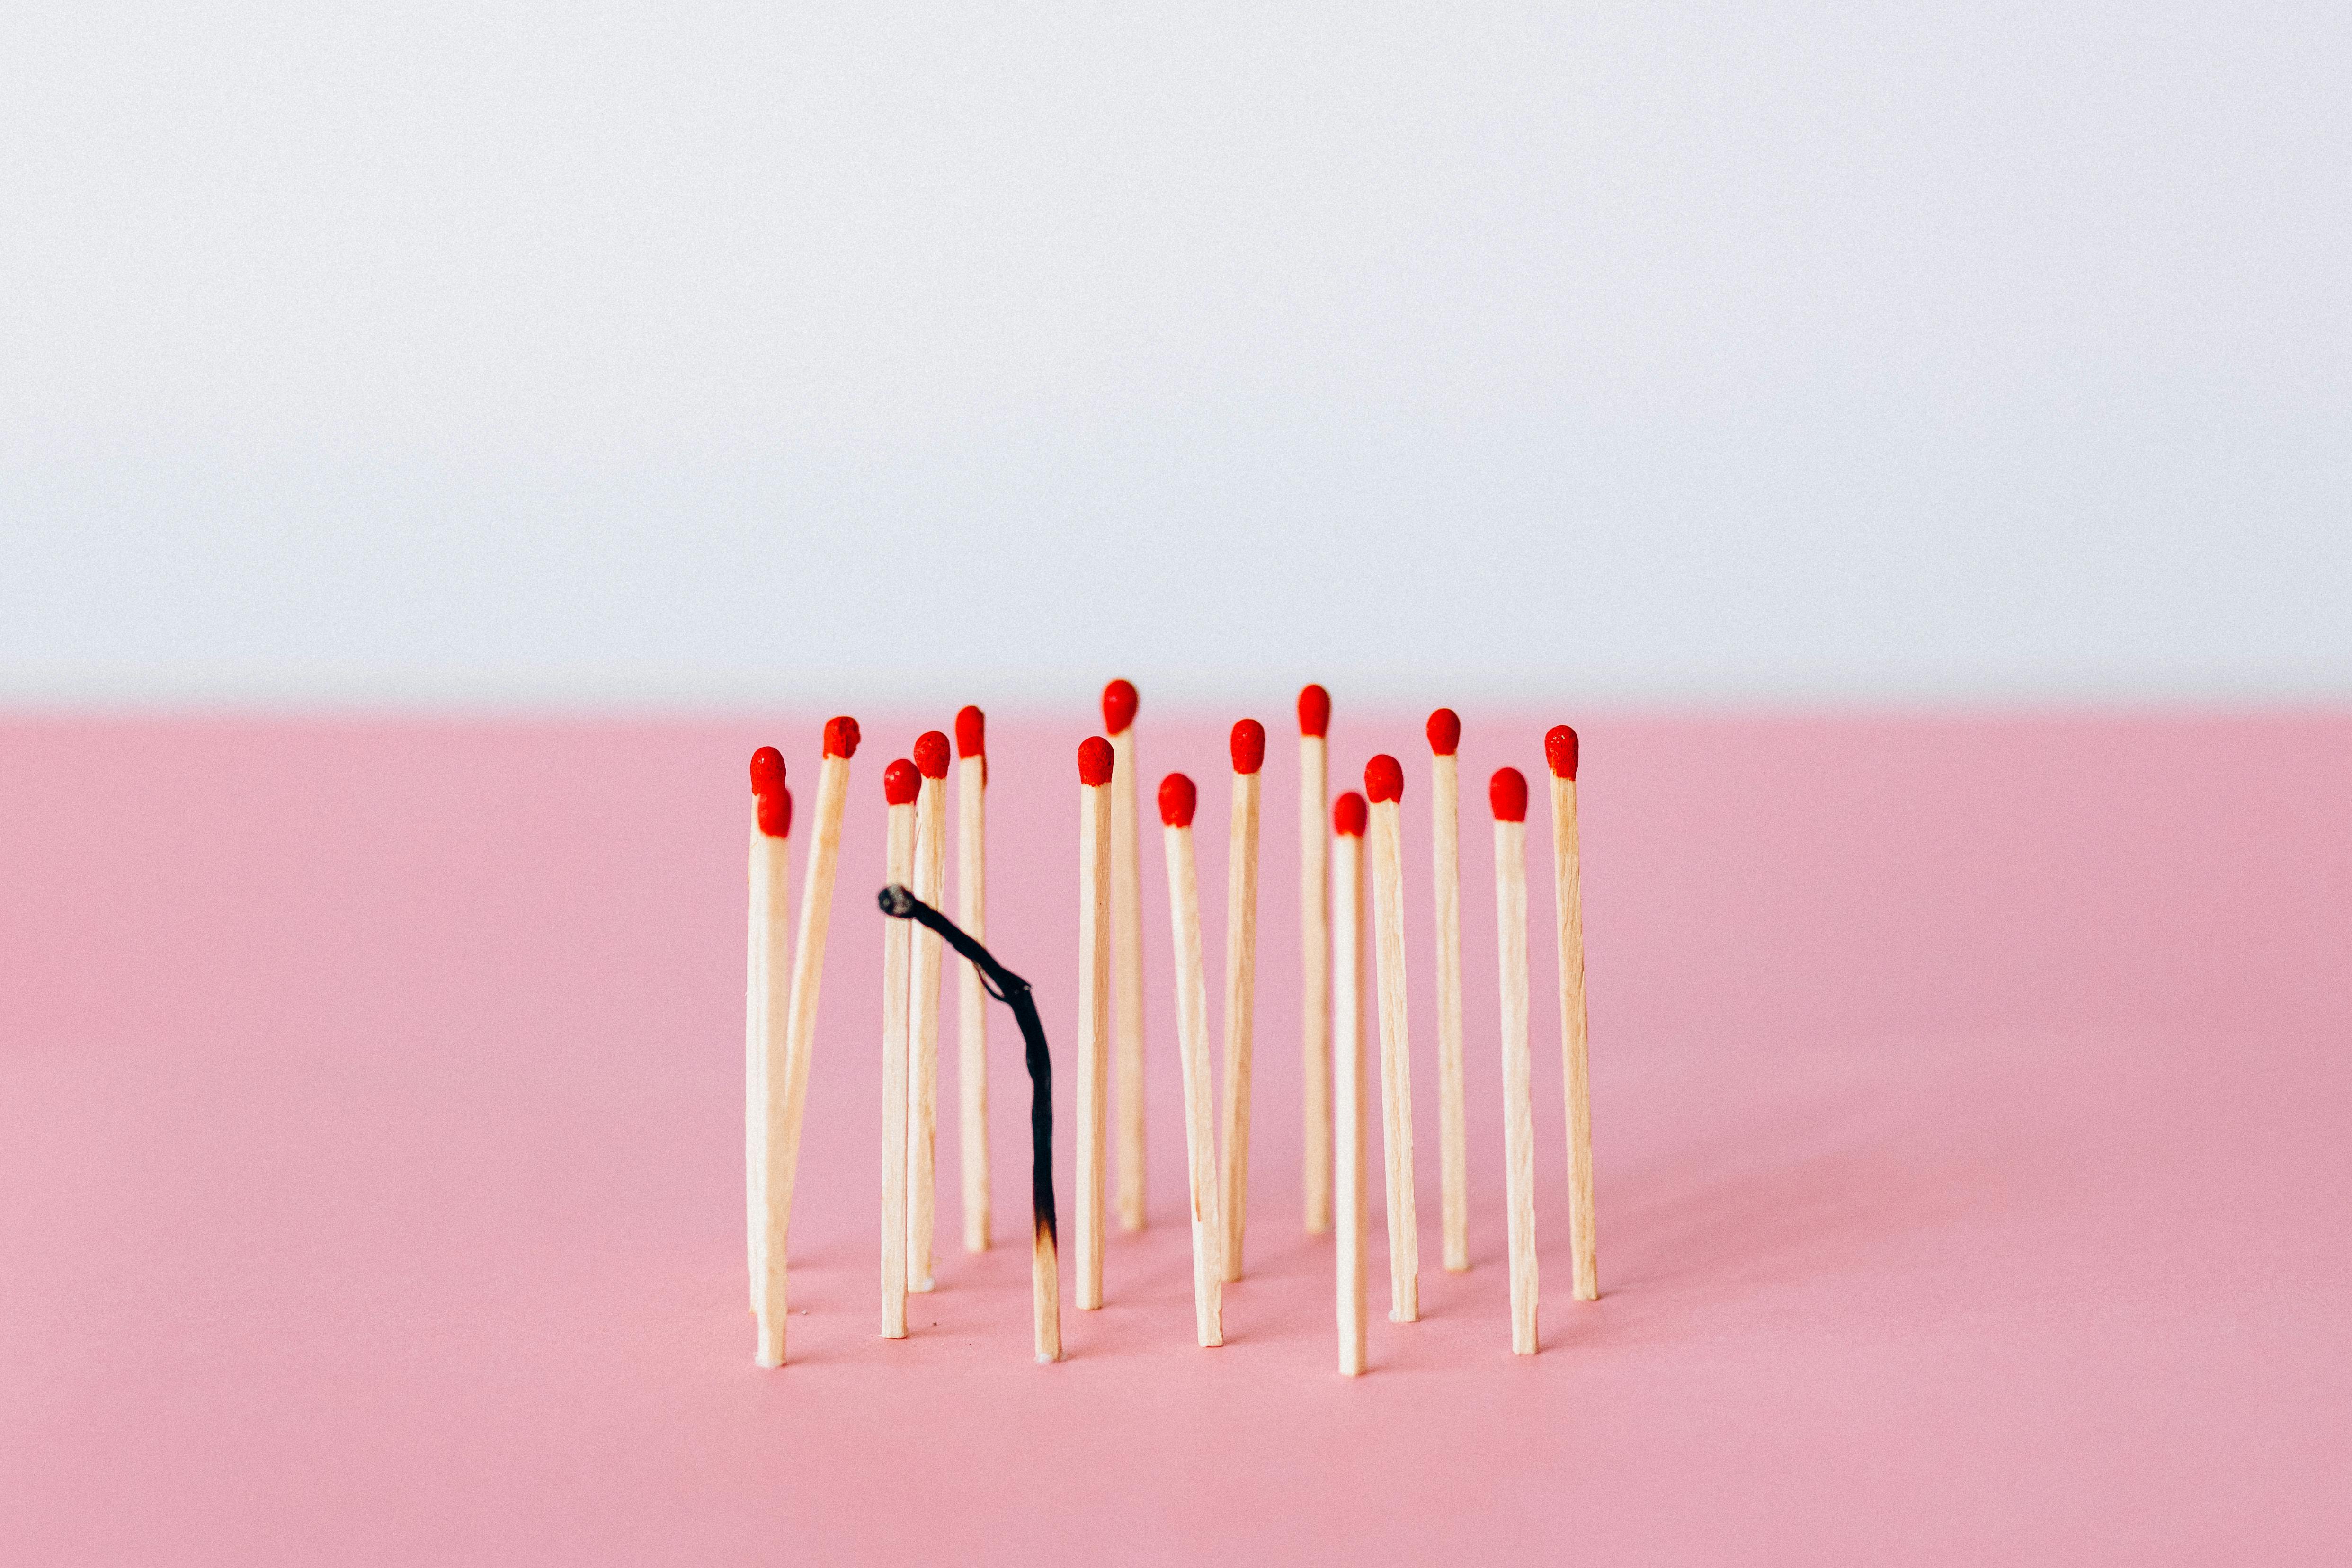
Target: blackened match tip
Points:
(896, 902)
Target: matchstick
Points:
(1348, 1075)
(1384, 784)
(1096, 767)
(1506, 792)
(1177, 799)
(1560, 751)
(971, 1000)
(768, 985)
(1315, 951)
(785, 1080)
(1444, 730)
(1118, 705)
(923, 1039)
(900, 784)
(1248, 747)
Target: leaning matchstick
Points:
(1248, 746)
(900, 784)
(1118, 704)
(768, 985)
(923, 1039)
(1506, 792)
(1315, 951)
(1384, 783)
(1095, 770)
(972, 1002)
(1560, 751)
(1045, 1266)
(1348, 1075)
(1177, 799)
(784, 1083)
(1444, 730)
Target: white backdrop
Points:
(480, 351)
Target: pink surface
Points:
(1971, 1104)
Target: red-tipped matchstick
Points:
(1445, 731)
(900, 784)
(1177, 799)
(1315, 949)
(1096, 767)
(1385, 786)
(923, 1040)
(1118, 705)
(971, 1000)
(1560, 751)
(1248, 747)
(767, 987)
(1507, 793)
(1348, 821)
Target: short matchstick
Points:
(971, 1000)
(1507, 793)
(767, 987)
(1445, 731)
(1560, 749)
(1347, 819)
(1315, 951)
(1177, 800)
(1094, 776)
(900, 784)
(1248, 747)
(1118, 706)
(923, 1039)
(1385, 786)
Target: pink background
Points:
(1971, 1105)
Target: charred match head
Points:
(896, 902)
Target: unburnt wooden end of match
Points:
(1118, 707)
(1248, 747)
(923, 982)
(1348, 818)
(900, 784)
(1507, 793)
(1315, 951)
(1561, 754)
(767, 987)
(972, 999)
(1096, 768)
(1177, 800)
(1384, 788)
(1445, 731)
(785, 1078)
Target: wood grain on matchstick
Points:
(1248, 746)
(1348, 818)
(1507, 793)
(1177, 800)
(1561, 752)
(1452, 1137)
(901, 783)
(1118, 706)
(1096, 767)
(1384, 788)
(1315, 953)
(767, 988)
(971, 1000)
(923, 1041)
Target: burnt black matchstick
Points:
(1045, 1273)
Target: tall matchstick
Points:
(1248, 747)
(1560, 752)
(971, 1000)
(1177, 799)
(1315, 951)
(923, 1040)
(1444, 730)
(900, 784)
(1506, 792)
(784, 1080)
(1118, 705)
(767, 987)
(1384, 784)
(1348, 818)
(1096, 767)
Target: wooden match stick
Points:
(1315, 949)
(1560, 751)
(971, 1000)
(1444, 730)
(768, 985)
(1347, 819)
(1506, 792)
(1248, 747)
(1096, 767)
(1118, 705)
(1384, 784)
(1177, 799)
(784, 1081)
(923, 1040)
(900, 784)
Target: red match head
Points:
(1094, 761)
(1249, 746)
(776, 814)
(775, 802)
(972, 732)
(1313, 711)
(1348, 815)
(1560, 751)
(1118, 706)
(1384, 779)
(1444, 730)
(932, 754)
(899, 782)
(841, 738)
(1506, 792)
(1177, 799)
(767, 770)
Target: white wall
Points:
(1897, 348)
